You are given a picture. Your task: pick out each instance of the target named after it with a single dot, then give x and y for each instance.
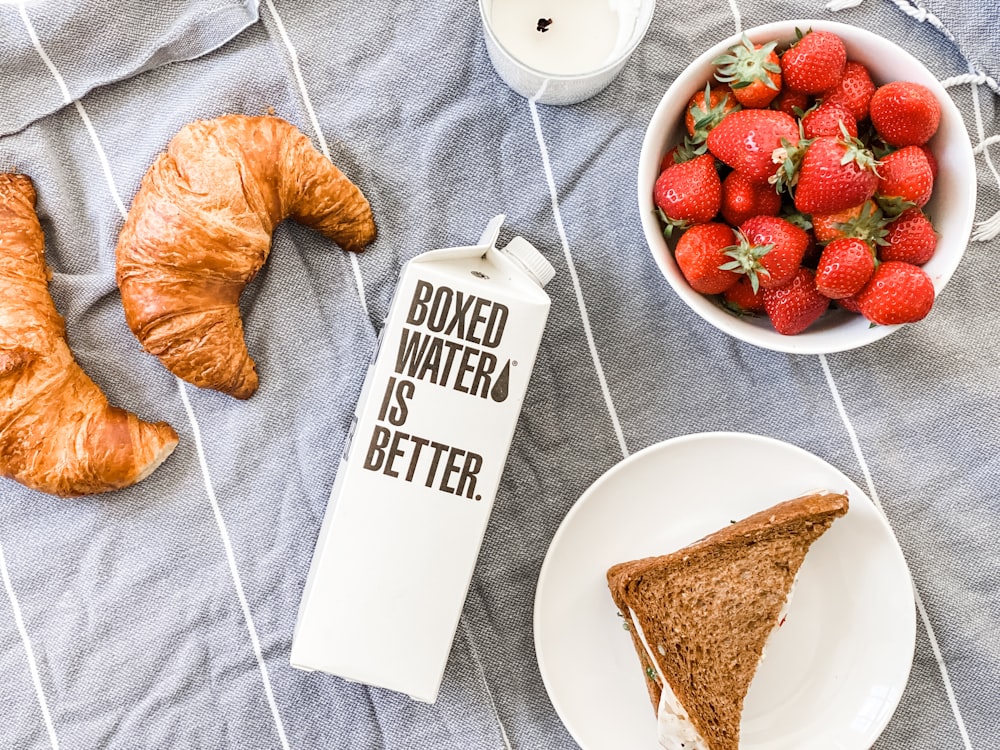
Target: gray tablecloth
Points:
(161, 617)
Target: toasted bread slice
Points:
(699, 617)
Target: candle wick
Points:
(543, 24)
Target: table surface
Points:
(162, 616)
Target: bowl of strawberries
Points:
(807, 186)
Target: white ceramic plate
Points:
(834, 672)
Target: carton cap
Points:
(533, 262)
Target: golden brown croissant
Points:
(200, 229)
(58, 434)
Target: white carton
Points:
(413, 494)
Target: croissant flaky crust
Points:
(58, 434)
(200, 230)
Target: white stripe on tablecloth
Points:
(231, 560)
(482, 674)
(856, 444)
(571, 266)
(871, 488)
(314, 121)
(737, 20)
(223, 531)
(29, 652)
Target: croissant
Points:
(58, 434)
(200, 229)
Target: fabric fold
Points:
(92, 44)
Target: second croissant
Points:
(200, 229)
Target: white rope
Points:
(836, 5)
(978, 77)
(988, 142)
(987, 229)
(923, 15)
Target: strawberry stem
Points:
(746, 260)
(745, 65)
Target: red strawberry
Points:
(742, 199)
(706, 109)
(844, 267)
(825, 225)
(906, 175)
(688, 193)
(815, 63)
(770, 251)
(753, 72)
(866, 222)
(896, 293)
(742, 299)
(700, 252)
(910, 239)
(670, 158)
(797, 305)
(788, 101)
(930, 159)
(746, 141)
(904, 113)
(854, 90)
(849, 303)
(826, 120)
(835, 174)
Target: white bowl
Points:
(952, 207)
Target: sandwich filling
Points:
(673, 727)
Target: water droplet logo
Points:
(501, 386)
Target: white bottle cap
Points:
(525, 254)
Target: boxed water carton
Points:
(416, 483)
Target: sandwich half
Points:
(699, 617)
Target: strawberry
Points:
(896, 293)
(815, 63)
(797, 305)
(904, 113)
(670, 158)
(850, 304)
(930, 159)
(854, 90)
(688, 193)
(910, 239)
(836, 173)
(825, 225)
(788, 101)
(741, 299)
(746, 141)
(907, 176)
(742, 199)
(770, 251)
(753, 72)
(826, 120)
(866, 222)
(844, 267)
(700, 253)
(706, 109)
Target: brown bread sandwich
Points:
(700, 616)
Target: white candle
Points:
(562, 51)
(558, 37)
